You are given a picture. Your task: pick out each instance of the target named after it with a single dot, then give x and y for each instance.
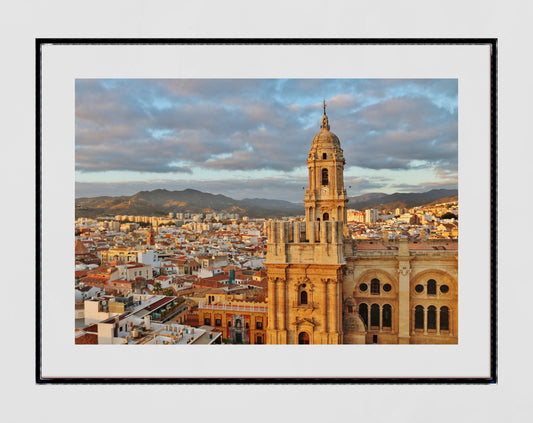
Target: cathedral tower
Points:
(305, 260)
(326, 198)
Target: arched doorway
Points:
(303, 338)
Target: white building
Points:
(149, 257)
(371, 216)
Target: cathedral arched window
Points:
(363, 312)
(325, 216)
(374, 315)
(324, 156)
(303, 338)
(419, 317)
(303, 297)
(374, 286)
(324, 177)
(432, 317)
(444, 318)
(432, 287)
(387, 316)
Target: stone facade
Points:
(323, 288)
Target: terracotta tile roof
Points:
(159, 303)
(86, 339)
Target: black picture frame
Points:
(491, 42)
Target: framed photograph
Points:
(205, 207)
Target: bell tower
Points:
(305, 260)
(326, 198)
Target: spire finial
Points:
(325, 123)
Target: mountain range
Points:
(160, 202)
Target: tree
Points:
(169, 292)
(157, 287)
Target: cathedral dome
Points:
(325, 139)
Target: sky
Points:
(249, 138)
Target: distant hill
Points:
(402, 200)
(160, 202)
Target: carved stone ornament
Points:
(404, 269)
(348, 271)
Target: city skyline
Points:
(248, 138)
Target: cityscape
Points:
(259, 271)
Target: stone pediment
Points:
(304, 321)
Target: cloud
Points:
(357, 185)
(172, 126)
(397, 133)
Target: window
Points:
(207, 321)
(303, 338)
(387, 287)
(325, 216)
(247, 325)
(374, 315)
(432, 317)
(363, 287)
(432, 287)
(444, 289)
(324, 177)
(387, 316)
(363, 312)
(374, 286)
(324, 156)
(259, 340)
(444, 318)
(419, 317)
(303, 298)
(259, 325)
(229, 323)
(218, 322)
(350, 309)
(419, 288)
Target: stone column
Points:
(282, 306)
(404, 305)
(311, 229)
(332, 303)
(272, 324)
(282, 235)
(324, 303)
(296, 231)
